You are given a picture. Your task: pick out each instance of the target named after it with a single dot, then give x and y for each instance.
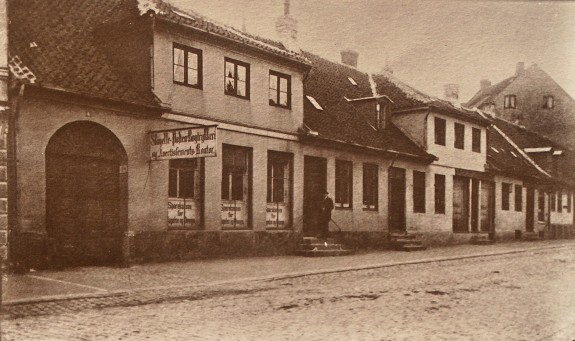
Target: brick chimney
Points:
(349, 57)
(286, 28)
(451, 92)
(520, 68)
(484, 84)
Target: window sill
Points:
(370, 209)
(344, 208)
(199, 86)
(237, 96)
(288, 107)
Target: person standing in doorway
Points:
(325, 207)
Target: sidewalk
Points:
(89, 282)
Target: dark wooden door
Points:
(460, 204)
(487, 206)
(474, 205)
(530, 210)
(315, 184)
(397, 199)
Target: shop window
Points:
(370, 186)
(184, 194)
(418, 192)
(439, 193)
(559, 202)
(187, 66)
(236, 187)
(553, 200)
(280, 90)
(279, 189)
(440, 131)
(343, 184)
(505, 196)
(518, 198)
(509, 102)
(237, 78)
(459, 142)
(476, 140)
(548, 102)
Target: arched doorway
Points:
(86, 190)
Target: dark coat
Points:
(326, 206)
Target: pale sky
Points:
(427, 43)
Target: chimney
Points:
(484, 84)
(520, 68)
(452, 92)
(286, 28)
(349, 57)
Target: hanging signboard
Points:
(183, 143)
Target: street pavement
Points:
(523, 294)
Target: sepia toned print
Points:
(286, 169)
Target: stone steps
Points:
(316, 247)
(531, 236)
(481, 239)
(406, 242)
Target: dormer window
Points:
(280, 90)
(237, 78)
(548, 102)
(509, 102)
(187, 66)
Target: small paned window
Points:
(280, 90)
(343, 184)
(439, 193)
(235, 166)
(518, 198)
(182, 178)
(553, 200)
(459, 142)
(279, 184)
(440, 131)
(505, 196)
(476, 140)
(548, 102)
(370, 186)
(237, 78)
(559, 202)
(187, 66)
(509, 102)
(418, 192)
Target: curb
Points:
(270, 278)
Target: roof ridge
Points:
(407, 89)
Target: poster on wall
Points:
(276, 215)
(233, 215)
(183, 143)
(182, 213)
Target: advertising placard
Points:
(183, 143)
(182, 213)
(276, 214)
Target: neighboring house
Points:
(459, 192)
(533, 99)
(553, 193)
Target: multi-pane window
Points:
(505, 196)
(184, 194)
(553, 200)
(518, 198)
(476, 140)
(279, 188)
(440, 131)
(187, 66)
(559, 202)
(237, 78)
(280, 89)
(509, 101)
(459, 142)
(370, 186)
(343, 183)
(440, 193)
(418, 192)
(548, 102)
(236, 187)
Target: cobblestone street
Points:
(524, 296)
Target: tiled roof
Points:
(54, 41)
(488, 94)
(406, 97)
(343, 121)
(168, 12)
(524, 138)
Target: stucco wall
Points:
(511, 220)
(211, 102)
(449, 155)
(413, 124)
